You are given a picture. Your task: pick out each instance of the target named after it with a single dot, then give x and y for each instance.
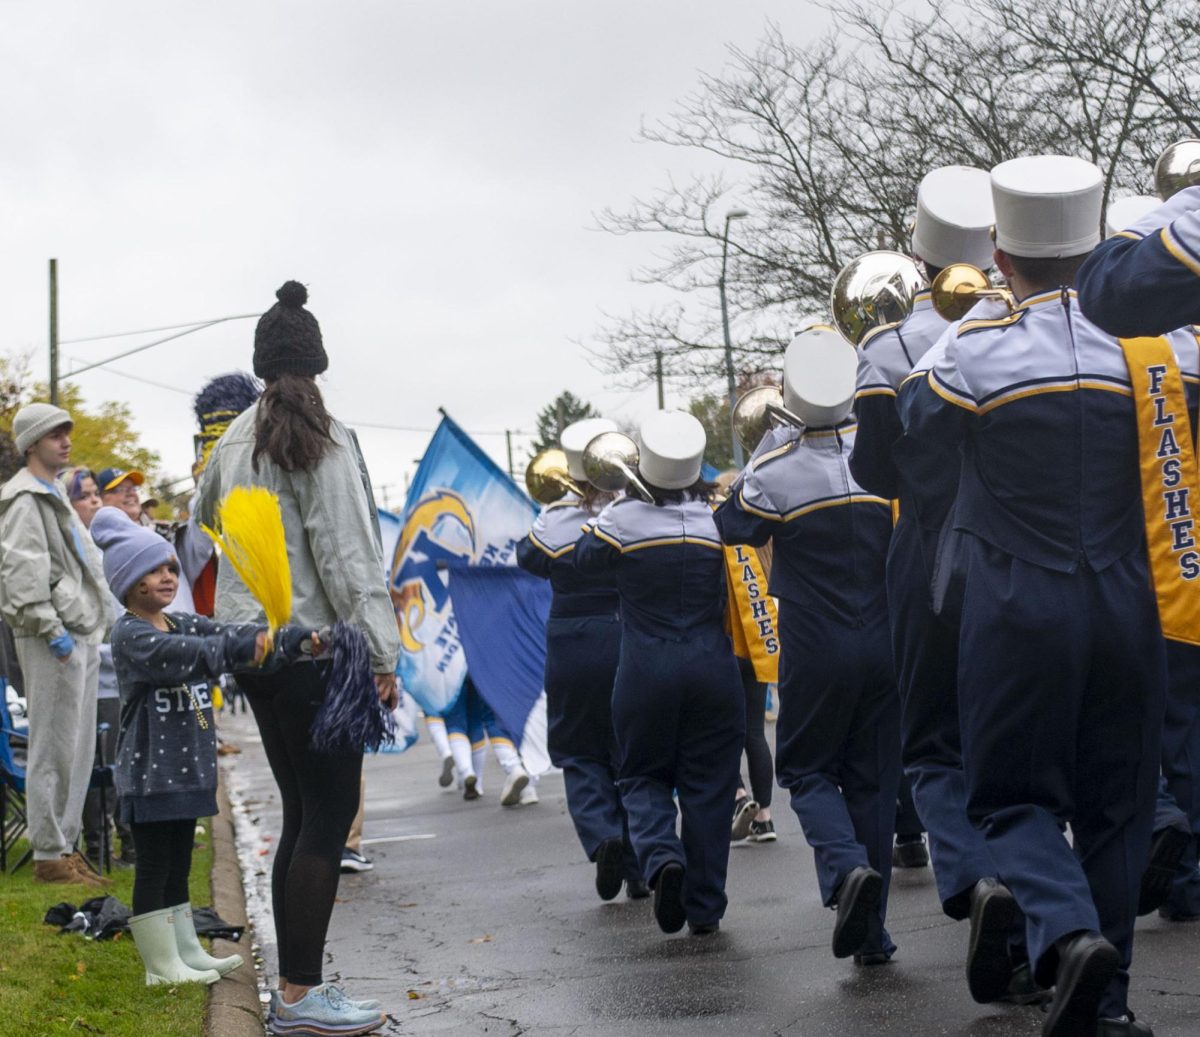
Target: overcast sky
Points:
(429, 169)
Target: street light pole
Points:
(733, 214)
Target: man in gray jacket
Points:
(55, 607)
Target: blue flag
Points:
(462, 509)
(502, 614)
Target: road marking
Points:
(398, 838)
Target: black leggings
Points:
(319, 793)
(758, 752)
(164, 860)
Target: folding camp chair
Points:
(13, 817)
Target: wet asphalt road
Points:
(483, 920)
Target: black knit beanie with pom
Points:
(288, 337)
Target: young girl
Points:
(678, 710)
(166, 765)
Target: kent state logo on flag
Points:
(462, 509)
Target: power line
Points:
(151, 331)
(147, 381)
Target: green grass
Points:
(52, 984)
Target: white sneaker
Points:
(529, 795)
(514, 785)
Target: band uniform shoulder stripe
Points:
(874, 390)
(1180, 250)
(608, 538)
(969, 326)
(950, 395)
(875, 332)
(716, 545)
(547, 550)
(771, 455)
(835, 502)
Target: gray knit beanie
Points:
(35, 420)
(130, 550)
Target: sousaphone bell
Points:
(1178, 167)
(876, 288)
(757, 412)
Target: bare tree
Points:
(825, 143)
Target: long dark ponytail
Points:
(292, 424)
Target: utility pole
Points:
(658, 373)
(731, 384)
(54, 331)
(508, 440)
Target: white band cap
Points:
(1047, 206)
(1125, 212)
(671, 449)
(954, 217)
(819, 372)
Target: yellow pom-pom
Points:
(252, 541)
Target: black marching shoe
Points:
(1086, 964)
(610, 862)
(989, 968)
(910, 853)
(872, 958)
(857, 898)
(1166, 851)
(709, 929)
(668, 898)
(1127, 1026)
(636, 889)
(1023, 988)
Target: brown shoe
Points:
(61, 872)
(85, 872)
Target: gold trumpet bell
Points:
(1178, 167)
(547, 478)
(959, 287)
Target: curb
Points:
(234, 1009)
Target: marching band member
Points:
(583, 646)
(1061, 670)
(678, 709)
(838, 731)
(1146, 281)
(954, 218)
(1171, 884)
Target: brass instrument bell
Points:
(874, 289)
(960, 286)
(1177, 167)
(610, 462)
(547, 478)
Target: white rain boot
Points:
(190, 949)
(154, 935)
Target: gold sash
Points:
(753, 620)
(1170, 486)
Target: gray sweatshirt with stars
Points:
(166, 766)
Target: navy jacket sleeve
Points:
(532, 558)
(741, 523)
(935, 409)
(1146, 281)
(596, 552)
(871, 461)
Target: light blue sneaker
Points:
(323, 1012)
(369, 1005)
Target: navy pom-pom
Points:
(351, 718)
(228, 392)
(292, 294)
